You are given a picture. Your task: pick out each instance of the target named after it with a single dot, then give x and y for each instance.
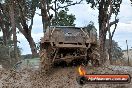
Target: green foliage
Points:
(91, 26)
(7, 59)
(4, 52)
(28, 8)
(116, 50)
(64, 19)
(65, 1)
(59, 1)
(115, 5)
(60, 7)
(8, 51)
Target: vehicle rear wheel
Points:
(94, 56)
(45, 63)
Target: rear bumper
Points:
(70, 46)
(71, 58)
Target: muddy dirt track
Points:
(57, 78)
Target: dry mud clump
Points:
(57, 78)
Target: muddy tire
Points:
(95, 59)
(45, 63)
(94, 56)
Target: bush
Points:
(7, 59)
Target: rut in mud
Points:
(58, 77)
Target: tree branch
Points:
(69, 4)
(38, 14)
(111, 23)
(114, 22)
(20, 28)
(22, 18)
(114, 29)
(33, 9)
(31, 25)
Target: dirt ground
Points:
(57, 78)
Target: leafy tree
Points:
(24, 12)
(116, 50)
(5, 25)
(106, 9)
(7, 58)
(13, 25)
(8, 23)
(64, 19)
(54, 5)
(91, 26)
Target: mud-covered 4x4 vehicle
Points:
(68, 44)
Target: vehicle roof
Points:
(65, 27)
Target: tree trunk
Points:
(110, 49)
(4, 36)
(44, 15)
(25, 30)
(4, 31)
(32, 44)
(105, 13)
(110, 45)
(12, 18)
(102, 47)
(102, 32)
(27, 33)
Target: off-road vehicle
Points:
(69, 44)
